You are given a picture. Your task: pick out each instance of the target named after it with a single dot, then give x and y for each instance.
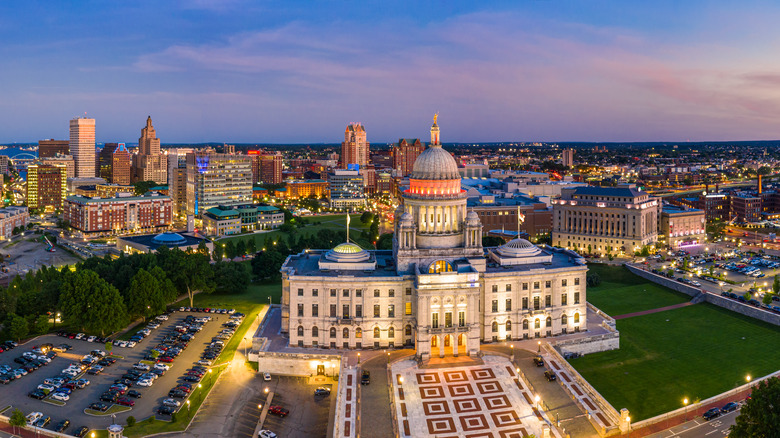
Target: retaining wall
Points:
(295, 364)
(720, 301)
(591, 344)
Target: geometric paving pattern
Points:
(469, 402)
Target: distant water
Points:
(14, 151)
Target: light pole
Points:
(628, 422)
(188, 409)
(200, 393)
(210, 376)
(539, 347)
(358, 358)
(685, 403)
(537, 399)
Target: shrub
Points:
(130, 421)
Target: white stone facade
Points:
(438, 290)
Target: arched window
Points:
(576, 318)
(564, 319)
(315, 331)
(345, 333)
(376, 332)
(525, 324)
(509, 326)
(408, 330)
(358, 332)
(300, 330)
(549, 321)
(495, 327)
(439, 266)
(333, 332)
(537, 323)
(391, 332)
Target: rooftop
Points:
(154, 241)
(147, 197)
(608, 191)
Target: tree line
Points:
(102, 295)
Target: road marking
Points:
(712, 431)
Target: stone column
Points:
(455, 345)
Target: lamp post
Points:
(537, 399)
(685, 403)
(210, 376)
(628, 422)
(358, 358)
(188, 411)
(539, 347)
(200, 393)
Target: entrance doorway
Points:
(320, 370)
(462, 344)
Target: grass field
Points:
(333, 222)
(695, 352)
(622, 292)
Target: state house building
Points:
(438, 290)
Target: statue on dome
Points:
(435, 116)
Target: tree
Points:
(17, 327)
(374, 230)
(202, 248)
(366, 217)
(251, 246)
(385, 241)
(109, 346)
(89, 302)
(188, 272)
(141, 187)
(40, 325)
(231, 277)
(144, 297)
(130, 421)
(767, 299)
(776, 285)
(241, 248)
(267, 264)
(760, 417)
(168, 292)
(230, 250)
(492, 241)
(216, 255)
(17, 419)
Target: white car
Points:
(46, 388)
(204, 362)
(32, 417)
(267, 377)
(130, 344)
(162, 318)
(161, 366)
(171, 402)
(80, 335)
(70, 372)
(60, 396)
(141, 367)
(91, 338)
(123, 344)
(265, 433)
(145, 382)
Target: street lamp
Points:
(748, 378)
(685, 403)
(539, 345)
(260, 406)
(358, 358)
(628, 422)
(265, 390)
(188, 412)
(537, 399)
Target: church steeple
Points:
(435, 132)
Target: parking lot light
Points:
(266, 390)
(260, 406)
(748, 378)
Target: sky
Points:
(290, 71)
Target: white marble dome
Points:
(518, 248)
(435, 164)
(347, 252)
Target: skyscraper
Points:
(177, 178)
(405, 153)
(568, 157)
(46, 185)
(120, 165)
(50, 148)
(150, 164)
(354, 149)
(82, 146)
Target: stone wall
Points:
(663, 281)
(295, 364)
(591, 344)
(726, 303)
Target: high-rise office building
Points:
(65, 160)
(121, 163)
(82, 146)
(217, 179)
(106, 160)
(404, 154)
(150, 164)
(354, 149)
(177, 178)
(46, 185)
(51, 147)
(270, 168)
(568, 157)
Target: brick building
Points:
(112, 216)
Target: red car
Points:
(183, 388)
(166, 359)
(124, 401)
(278, 410)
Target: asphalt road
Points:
(699, 428)
(15, 393)
(308, 415)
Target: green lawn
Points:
(316, 223)
(622, 292)
(695, 352)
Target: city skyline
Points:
(238, 72)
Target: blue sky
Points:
(297, 72)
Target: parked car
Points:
(165, 410)
(133, 393)
(728, 407)
(60, 397)
(712, 413)
(265, 433)
(43, 421)
(322, 391)
(278, 410)
(549, 375)
(538, 361)
(171, 402)
(36, 394)
(124, 401)
(81, 432)
(365, 378)
(267, 377)
(62, 425)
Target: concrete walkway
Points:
(648, 312)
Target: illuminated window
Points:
(439, 266)
(408, 309)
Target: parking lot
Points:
(15, 393)
(308, 416)
(29, 253)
